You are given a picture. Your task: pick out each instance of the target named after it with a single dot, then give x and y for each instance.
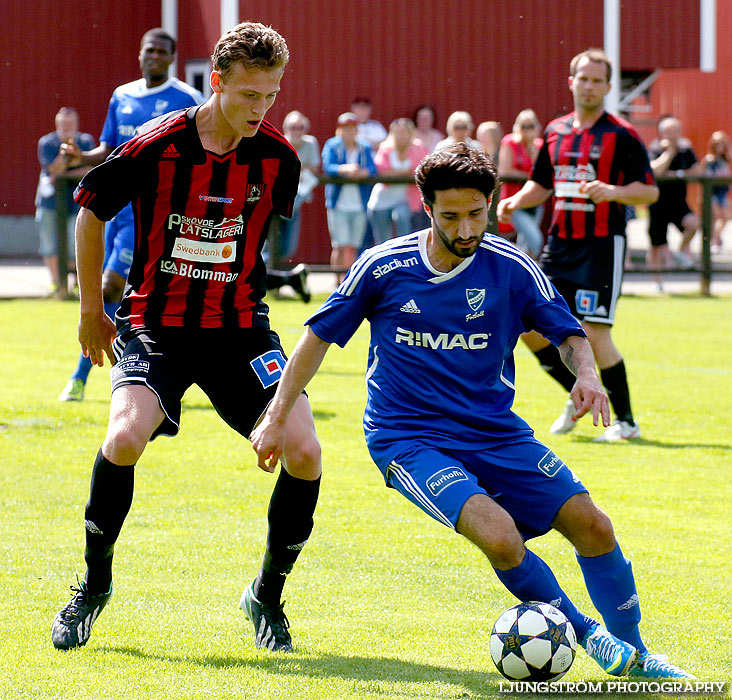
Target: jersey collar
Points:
(438, 275)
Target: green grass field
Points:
(384, 603)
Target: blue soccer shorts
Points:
(523, 476)
(119, 242)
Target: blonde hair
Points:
(459, 117)
(526, 115)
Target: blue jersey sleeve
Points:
(549, 315)
(343, 311)
(109, 130)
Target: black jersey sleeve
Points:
(283, 196)
(106, 189)
(636, 166)
(543, 172)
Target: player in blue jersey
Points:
(131, 105)
(447, 306)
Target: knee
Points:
(597, 535)
(303, 458)
(506, 551)
(124, 444)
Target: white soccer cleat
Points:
(564, 424)
(619, 430)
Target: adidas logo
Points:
(630, 603)
(171, 152)
(410, 308)
(92, 527)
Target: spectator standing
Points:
(489, 135)
(517, 155)
(393, 205)
(718, 162)
(345, 155)
(595, 164)
(671, 155)
(424, 122)
(370, 130)
(459, 127)
(295, 127)
(54, 163)
(131, 105)
(284, 234)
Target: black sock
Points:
(290, 518)
(615, 382)
(551, 362)
(109, 502)
(277, 279)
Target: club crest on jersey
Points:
(586, 301)
(476, 297)
(254, 192)
(269, 367)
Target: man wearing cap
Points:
(346, 156)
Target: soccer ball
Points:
(533, 641)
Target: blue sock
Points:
(83, 368)
(110, 308)
(611, 585)
(532, 579)
(84, 365)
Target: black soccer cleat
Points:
(270, 622)
(72, 625)
(298, 280)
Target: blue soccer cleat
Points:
(614, 655)
(656, 666)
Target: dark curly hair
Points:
(455, 167)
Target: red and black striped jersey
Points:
(201, 220)
(609, 151)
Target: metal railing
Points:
(706, 268)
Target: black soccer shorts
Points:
(237, 368)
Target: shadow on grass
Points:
(478, 684)
(644, 442)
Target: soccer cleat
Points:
(298, 280)
(270, 622)
(73, 391)
(619, 430)
(73, 623)
(656, 666)
(564, 423)
(614, 655)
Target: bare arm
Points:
(587, 392)
(75, 157)
(268, 438)
(96, 329)
(532, 194)
(633, 193)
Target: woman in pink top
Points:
(516, 157)
(392, 205)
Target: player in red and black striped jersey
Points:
(204, 184)
(595, 164)
(201, 220)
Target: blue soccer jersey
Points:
(440, 361)
(133, 104)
